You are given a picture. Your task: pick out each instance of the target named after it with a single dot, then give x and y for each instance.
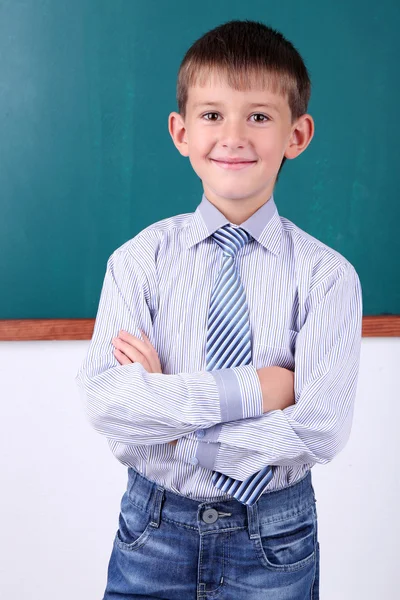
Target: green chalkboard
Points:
(86, 160)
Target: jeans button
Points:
(210, 515)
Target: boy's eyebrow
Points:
(251, 105)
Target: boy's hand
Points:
(129, 349)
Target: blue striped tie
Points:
(229, 345)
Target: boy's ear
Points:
(177, 129)
(301, 135)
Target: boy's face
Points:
(232, 128)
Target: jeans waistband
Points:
(216, 514)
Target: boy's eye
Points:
(264, 117)
(206, 115)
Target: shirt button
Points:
(200, 433)
(194, 460)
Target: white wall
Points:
(61, 486)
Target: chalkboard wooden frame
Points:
(19, 330)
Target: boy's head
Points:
(225, 72)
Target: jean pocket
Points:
(134, 527)
(289, 544)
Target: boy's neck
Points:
(237, 211)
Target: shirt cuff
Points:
(198, 454)
(240, 392)
(206, 454)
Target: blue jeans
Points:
(172, 547)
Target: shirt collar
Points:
(264, 225)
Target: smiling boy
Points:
(223, 125)
(224, 358)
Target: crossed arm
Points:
(129, 349)
(134, 403)
(277, 383)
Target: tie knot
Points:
(231, 239)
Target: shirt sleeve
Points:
(130, 405)
(318, 425)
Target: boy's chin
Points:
(232, 194)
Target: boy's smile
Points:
(229, 163)
(223, 125)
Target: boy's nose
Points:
(233, 133)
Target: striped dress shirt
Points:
(305, 312)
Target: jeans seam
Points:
(296, 514)
(167, 520)
(227, 530)
(143, 510)
(315, 564)
(316, 556)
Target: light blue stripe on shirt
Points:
(305, 305)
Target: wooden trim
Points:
(381, 326)
(46, 329)
(82, 329)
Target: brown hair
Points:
(247, 53)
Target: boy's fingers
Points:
(121, 358)
(147, 341)
(132, 339)
(145, 347)
(124, 335)
(154, 359)
(132, 353)
(129, 344)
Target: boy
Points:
(225, 353)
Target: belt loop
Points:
(158, 497)
(253, 523)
